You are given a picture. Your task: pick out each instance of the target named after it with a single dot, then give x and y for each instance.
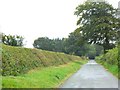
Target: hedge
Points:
(17, 60)
(111, 60)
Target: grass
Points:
(18, 60)
(47, 77)
(110, 61)
(111, 68)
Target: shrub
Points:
(111, 60)
(119, 60)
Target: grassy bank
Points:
(17, 60)
(49, 77)
(33, 68)
(110, 61)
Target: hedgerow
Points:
(110, 60)
(119, 60)
(17, 60)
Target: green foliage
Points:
(12, 40)
(49, 77)
(110, 61)
(74, 44)
(111, 57)
(16, 60)
(45, 43)
(119, 59)
(98, 23)
(91, 52)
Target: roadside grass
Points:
(110, 61)
(111, 68)
(47, 77)
(0, 82)
(114, 69)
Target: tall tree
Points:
(75, 44)
(98, 22)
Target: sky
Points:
(39, 18)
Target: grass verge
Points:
(110, 61)
(49, 77)
(111, 68)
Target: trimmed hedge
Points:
(17, 60)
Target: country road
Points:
(91, 75)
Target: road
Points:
(91, 75)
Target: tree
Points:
(12, 40)
(58, 45)
(98, 23)
(43, 43)
(98, 49)
(91, 52)
(75, 44)
(49, 44)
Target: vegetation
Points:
(98, 26)
(75, 44)
(49, 77)
(97, 33)
(110, 61)
(71, 45)
(119, 58)
(98, 23)
(12, 40)
(44, 43)
(17, 60)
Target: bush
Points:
(110, 60)
(111, 57)
(119, 60)
(16, 60)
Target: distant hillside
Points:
(17, 60)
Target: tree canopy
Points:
(98, 23)
(49, 44)
(12, 40)
(74, 45)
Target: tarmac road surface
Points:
(91, 75)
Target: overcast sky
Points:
(39, 18)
